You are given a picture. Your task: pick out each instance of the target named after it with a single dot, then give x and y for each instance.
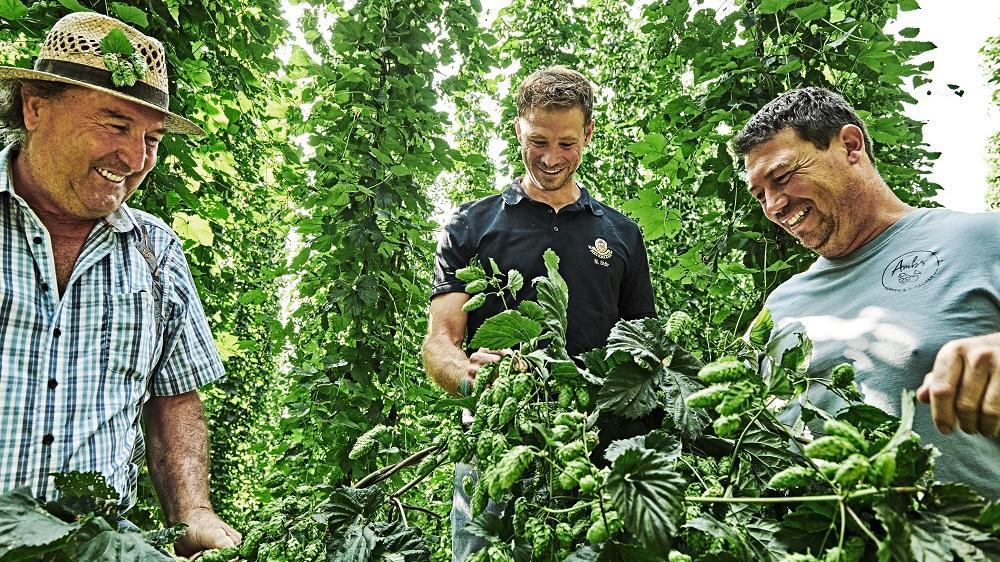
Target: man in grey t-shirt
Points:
(910, 296)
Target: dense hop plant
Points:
(722, 479)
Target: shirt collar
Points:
(121, 220)
(515, 194)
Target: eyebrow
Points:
(110, 113)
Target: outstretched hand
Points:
(205, 531)
(964, 386)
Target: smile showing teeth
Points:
(109, 175)
(797, 218)
(551, 171)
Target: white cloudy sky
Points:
(958, 127)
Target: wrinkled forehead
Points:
(765, 159)
(561, 123)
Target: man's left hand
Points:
(965, 386)
(205, 530)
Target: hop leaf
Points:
(117, 43)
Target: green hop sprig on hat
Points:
(126, 65)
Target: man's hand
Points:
(205, 530)
(965, 385)
(483, 357)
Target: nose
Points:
(774, 204)
(132, 153)
(550, 158)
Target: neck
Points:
(58, 223)
(557, 199)
(885, 210)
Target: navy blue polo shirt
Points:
(601, 256)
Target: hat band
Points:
(102, 78)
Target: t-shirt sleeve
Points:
(636, 298)
(189, 359)
(454, 251)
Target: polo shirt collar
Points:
(121, 220)
(515, 194)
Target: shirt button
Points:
(53, 383)
(555, 228)
(45, 287)
(57, 332)
(37, 240)
(551, 211)
(48, 439)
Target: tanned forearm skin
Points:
(177, 453)
(445, 361)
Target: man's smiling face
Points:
(552, 143)
(809, 192)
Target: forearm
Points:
(445, 361)
(177, 454)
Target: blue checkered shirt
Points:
(75, 370)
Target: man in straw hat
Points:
(99, 316)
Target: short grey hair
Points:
(816, 114)
(11, 104)
(556, 87)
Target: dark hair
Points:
(555, 87)
(816, 114)
(11, 116)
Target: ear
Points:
(32, 107)
(588, 131)
(517, 130)
(854, 143)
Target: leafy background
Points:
(309, 210)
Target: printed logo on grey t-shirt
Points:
(911, 270)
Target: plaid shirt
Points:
(75, 370)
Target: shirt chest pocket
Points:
(128, 336)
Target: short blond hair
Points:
(555, 87)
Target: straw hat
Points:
(72, 54)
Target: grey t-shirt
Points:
(932, 277)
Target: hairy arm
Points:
(444, 358)
(177, 454)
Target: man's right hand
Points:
(483, 357)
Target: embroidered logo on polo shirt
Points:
(600, 249)
(910, 270)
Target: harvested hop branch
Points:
(727, 369)
(852, 470)
(737, 399)
(366, 442)
(830, 448)
(677, 324)
(220, 554)
(475, 286)
(847, 431)
(791, 477)
(726, 425)
(470, 273)
(883, 469)
(708, 397)
(508, 470)
(474, 303)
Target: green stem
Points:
(799, 499)
(571, 509)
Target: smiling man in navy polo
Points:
(602, 254)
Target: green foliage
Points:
(343, 153)
(80, 526)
